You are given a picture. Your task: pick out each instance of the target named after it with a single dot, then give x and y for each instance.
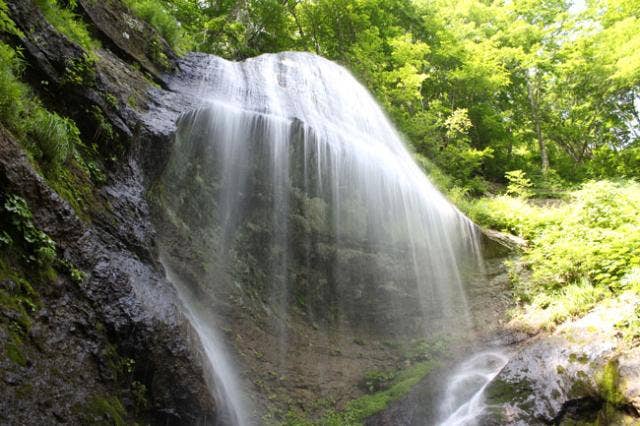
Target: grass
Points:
(155, 14)
(68, 23)
(52, 141)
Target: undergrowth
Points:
(580, 251)
(52, 141)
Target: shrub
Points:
(597, 239)
(519, 185)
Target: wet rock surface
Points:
(581, 371)
(115, 336)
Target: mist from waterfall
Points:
(290, 187)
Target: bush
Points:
(513, 215)
(598, 238)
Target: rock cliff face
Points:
(101, 340)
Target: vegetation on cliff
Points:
(581, 249)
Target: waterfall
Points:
(288, 191)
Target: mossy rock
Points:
(503, 392)
(608, 381)
(104, 410)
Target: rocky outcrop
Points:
(131, 37)
(109, 342)
(582, 371)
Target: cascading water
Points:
(463, 402)
(289, 191)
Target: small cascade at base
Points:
(464, 399)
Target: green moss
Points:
(579, 358)
(376, 380)
(16, 293)
(75, 185)
(24, 391)
(358, 410)
(608, 381)
(105, 410)
(580, 388)
(501, 391)
(14, 350)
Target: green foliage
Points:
(386, 387)
(155, 13)
(598, 239)
(42, 246)
(571, 301)
(76, 275)
(67, 22)
(518, 184)
(12, 92)
(80, 71)
(50, 137)
(375, 381)
(512, 215)
(51, 140)
(105, 410)
(54, 136)
(580, 251)
(6, 24)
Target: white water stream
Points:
(464, 399)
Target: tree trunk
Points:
(535, 113)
